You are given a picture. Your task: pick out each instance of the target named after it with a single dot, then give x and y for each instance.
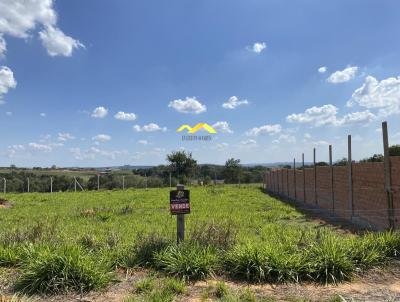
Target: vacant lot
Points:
(120, 245)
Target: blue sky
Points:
(293, 75)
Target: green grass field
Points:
(77, 242)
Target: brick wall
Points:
(370, 203)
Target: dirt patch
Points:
(5, 204)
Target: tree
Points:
(232, 170)
(374, 158)
(394, 150)
(182, 165)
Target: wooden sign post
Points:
(179, 204)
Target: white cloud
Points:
(221, 146)
(100, 112)
(285, 138)
(18, 18)
(249, 143)
(344, 75)
(234, 102)
(7, 81)
(189, 105)
(383, 95)
(40, 147)
(266, 129)
(152, 127)
(318, 116)
(327, 115)
(92, 153)
(43, 114)
(257, 47)
(222, 127)
(14, 150)
(101, 138)
(3, 47)
(9, 113)
(124, 116)
(322, 69)
(63, 137)
(143, 142)
(57, 43)
(357, 117)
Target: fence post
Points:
(74, 183)
(332, 188)
(350, 176)
(5, 185)
(28, 185)
(388, 175)
(315, 178)
(98, 182)
(294, 178)
(304, 178)
(123, 182)
(51, 184)
(287, 183)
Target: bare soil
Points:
(376, 285)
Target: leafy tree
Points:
(374, 158)
(182, 165)
(232, 170)
(394, 150)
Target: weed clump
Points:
(60, 271)
(221, 236)
(188, 261)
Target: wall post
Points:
(332, 181)
(388, 175)
(294, 177)
(315, 178)
(350, 176)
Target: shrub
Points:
(59, 271)
(187, 261)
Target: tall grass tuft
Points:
(60, 271)
(189, 261)
(327, 259)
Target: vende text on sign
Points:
(179, 202)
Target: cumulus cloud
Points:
(263, 130)
(222, 127)
(3, 47)
(257, 47)
(382, 95)
(234, 102)
(40, 147)
(249, 143)
(7, 81)
(322, 69)
(152, 127)
(92, 153)
(63, 137)
(344, 75)
(100, 112)
(125, 116)
(143, 142)
(18, 18)
(318, 116)
(189, 105)
(101, 138)
(327, 115)
(285, 138)
(57, 43)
